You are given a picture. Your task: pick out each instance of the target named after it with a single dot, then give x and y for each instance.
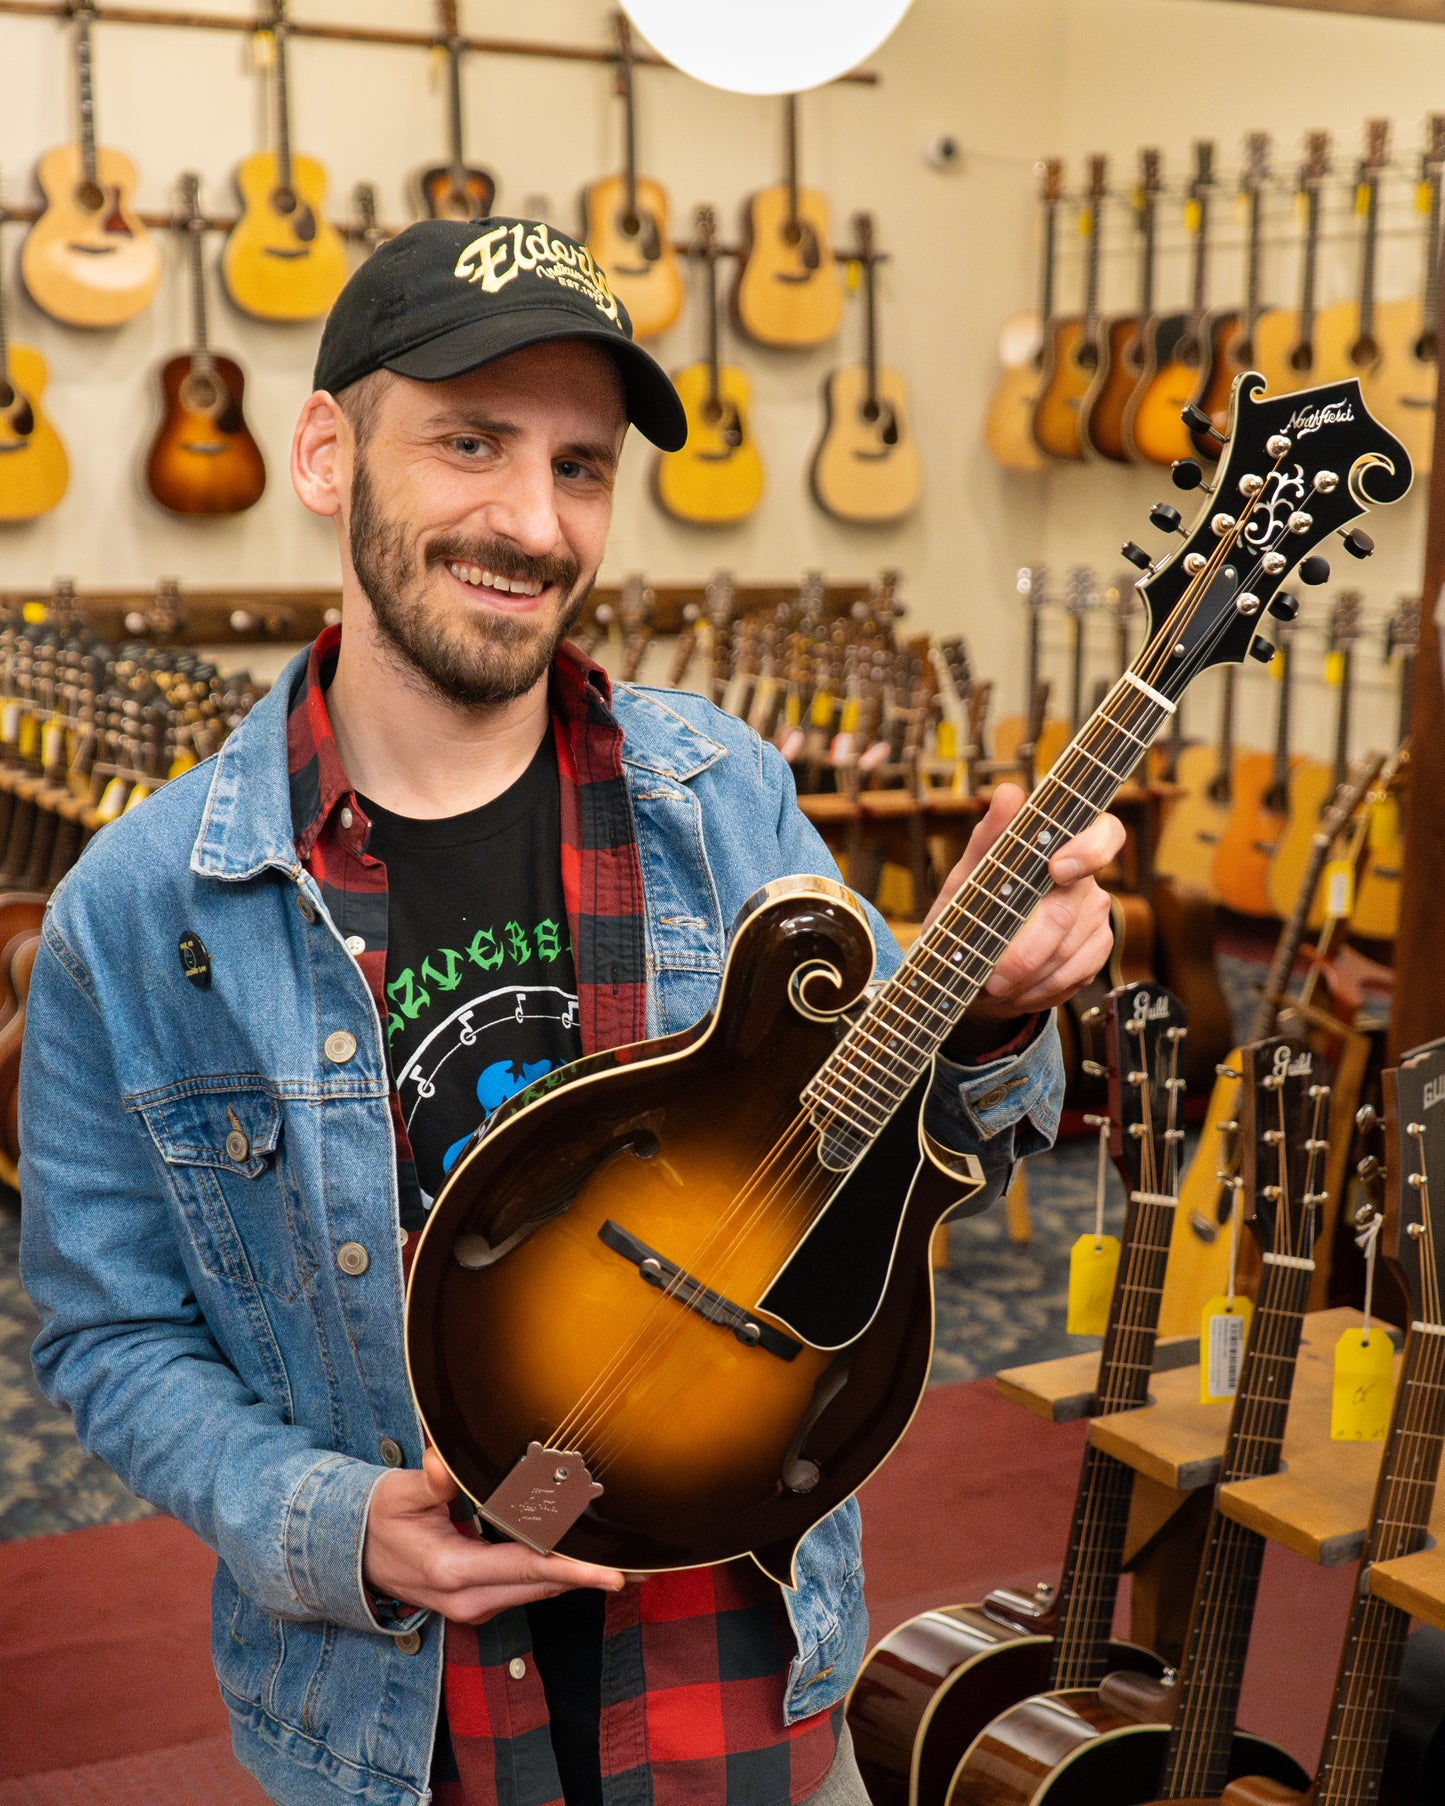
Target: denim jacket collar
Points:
(246, 826)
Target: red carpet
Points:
(107, 1694)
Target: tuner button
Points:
(1261, 649)
(1300, 521)
(1357, 544)
(1315, 569)
(1366, 1117)
(1325, 481)
(1194, 563)
(1184, 473)
(1277, 445)
(1222, 524)
(1273, 563)
(1165, 518)
(1246, 603)
(1198, 421)
(1137, 555)
(1284, 606)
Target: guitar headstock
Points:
(1283, 1122)
(1096, 188)
(1316, 164)
(188, 192)
(1032, 583)
(1202, 180)
(1377, 150)
(1345, 624)
(1082, 595)
(863, 234)
(1144, 1029)
(1402, 630)
(704, 242)
(1255, 173)
(1121, 597)
(1295, 469)
(1412, 1237)
(1151, 175)
(1432, 159)
(451, 28)
(363, 198)
(718, 596)
(1051, 180)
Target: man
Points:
(442, 858)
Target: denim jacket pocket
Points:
(222, 1152)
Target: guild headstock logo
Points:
(1434, 1091)
(1293, 1062)
(1148, 1009)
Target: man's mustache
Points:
(505, 561)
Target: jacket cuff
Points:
(323, 1537)
(1022, 1091)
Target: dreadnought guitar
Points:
(1199, 814)
(788, 291)
(1230, 331)
(455, 189)
(1347, 333)
(1071, 341)
(1008, 425)
(88, 260)
(676, 1306)
(282, 260)
(34, 469)
(1154, 428)
(717, 476)
(1128, 1739)
(625, 222)
(1122, 338)
(930, 1686)
(203, 459)
(1286, 352)
(866, 466)
(1412, 1240)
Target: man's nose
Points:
(524, 510)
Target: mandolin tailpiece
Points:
(542, 1497)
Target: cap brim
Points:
(653, 405)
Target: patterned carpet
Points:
(999, 1304)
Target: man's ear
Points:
(321, 450)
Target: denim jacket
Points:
(194, 1315)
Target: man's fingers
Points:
(442, 1486)
(1067, 977)
(1057, 928)
(1087, 854)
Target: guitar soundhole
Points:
(1426, 348)
(712, 412)
(629, 224)
(1364, 351)
(871, 412)
(1302, 359)
(284, 201)
(22, 420)
(1243, 356)
(90, 196)
(200, 393)
(1088, 358)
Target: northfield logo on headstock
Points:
(1305, 421)
(500, 255)
(1434, 1091)
(1293, 1062)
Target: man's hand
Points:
(414, 1553)
(1068, 937)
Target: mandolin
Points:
(865, 467)
(1377, 896)
(1071, 341)
(1286, 352)
(625, 222)
(1008, 425)
(717, 476)
(788, 290)
(203, 459)
(88, 260)
(282, 260)
(928, 1688)
(1230, 332)
(1313, 782)
(1153, 428)
(34, 469)
(1401, 387)
(675, 1307)
(1123, 335)
(1135, 1741)
(455, 189)
(1411, 1234)
(1260, 811)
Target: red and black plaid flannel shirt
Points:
(694, 1664)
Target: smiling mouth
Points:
(509, 590)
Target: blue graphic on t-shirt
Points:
(495, 1084)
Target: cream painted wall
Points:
(1013, 81)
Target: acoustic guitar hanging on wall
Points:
(33, 467)
(788, 292)
(866, 466)
(455, 189)
(717, 476)
(88, 260)
(282, 261)
(203, 459)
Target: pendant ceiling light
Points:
(765, 46)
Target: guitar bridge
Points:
(693, 1295)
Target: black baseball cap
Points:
(445, 296)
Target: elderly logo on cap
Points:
(498, 256)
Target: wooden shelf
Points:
(1061, 1391)
(1416, 1583)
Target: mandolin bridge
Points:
(693, 1295)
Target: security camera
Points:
(944, 152)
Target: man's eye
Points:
(468, 445)
(569, 468)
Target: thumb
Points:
(439, 1482)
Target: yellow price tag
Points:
(33, 612)
(853, 278)
(28, 740)
(1362, 197)
(946, 740)
(1193, 217)
(1385, 825)
(848, 720)
(1275, 667)
(1363, 1384)
(1086, 222)
(1334, 669)
(1339, 888)
(263, 49)
(822, 712)
(1223, 1332)
(52, 745)
(1093, 1267)
(112, 799)
(792, 709)
(1424, 195)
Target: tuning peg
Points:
(1137, 555)
(1366, 1118)
(1357, 544)
(1315, 569)
(1261, 649)
(1284, 606)
(1165, 518)
(1199, 422)
(1184, 473)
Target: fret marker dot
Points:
(1044, 837)
(1006, 890)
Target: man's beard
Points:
(467, 658)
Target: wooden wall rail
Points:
(351, 34)
(257, 616)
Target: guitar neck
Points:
(1369, 253)
(1050, 259)
(1308, 265)
(1148, 250)
(1369, 1671)
(454, 113)
(283, 109)
(629, 112)
(86, 96)
(1342, 717)
(1407, 659)
(710, 267)
(1201, 265)
(1280, 771)
(1076, 674)
(200, 347)
(4, 346)
(1254, 259)
(870, 328)
(790, 154)
(1430, 291)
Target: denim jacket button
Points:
(352, 1258)
(391, 1452)
(339, 1046)
(306, 906)
(237, 1146)
(408, 1643)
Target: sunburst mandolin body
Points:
(203, 459)
(34, 469)
(282, 260)
(788, 292)
(88, 260)
(635, 251)
(717, 477)
(531, 1314)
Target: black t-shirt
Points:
(483, 1001)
